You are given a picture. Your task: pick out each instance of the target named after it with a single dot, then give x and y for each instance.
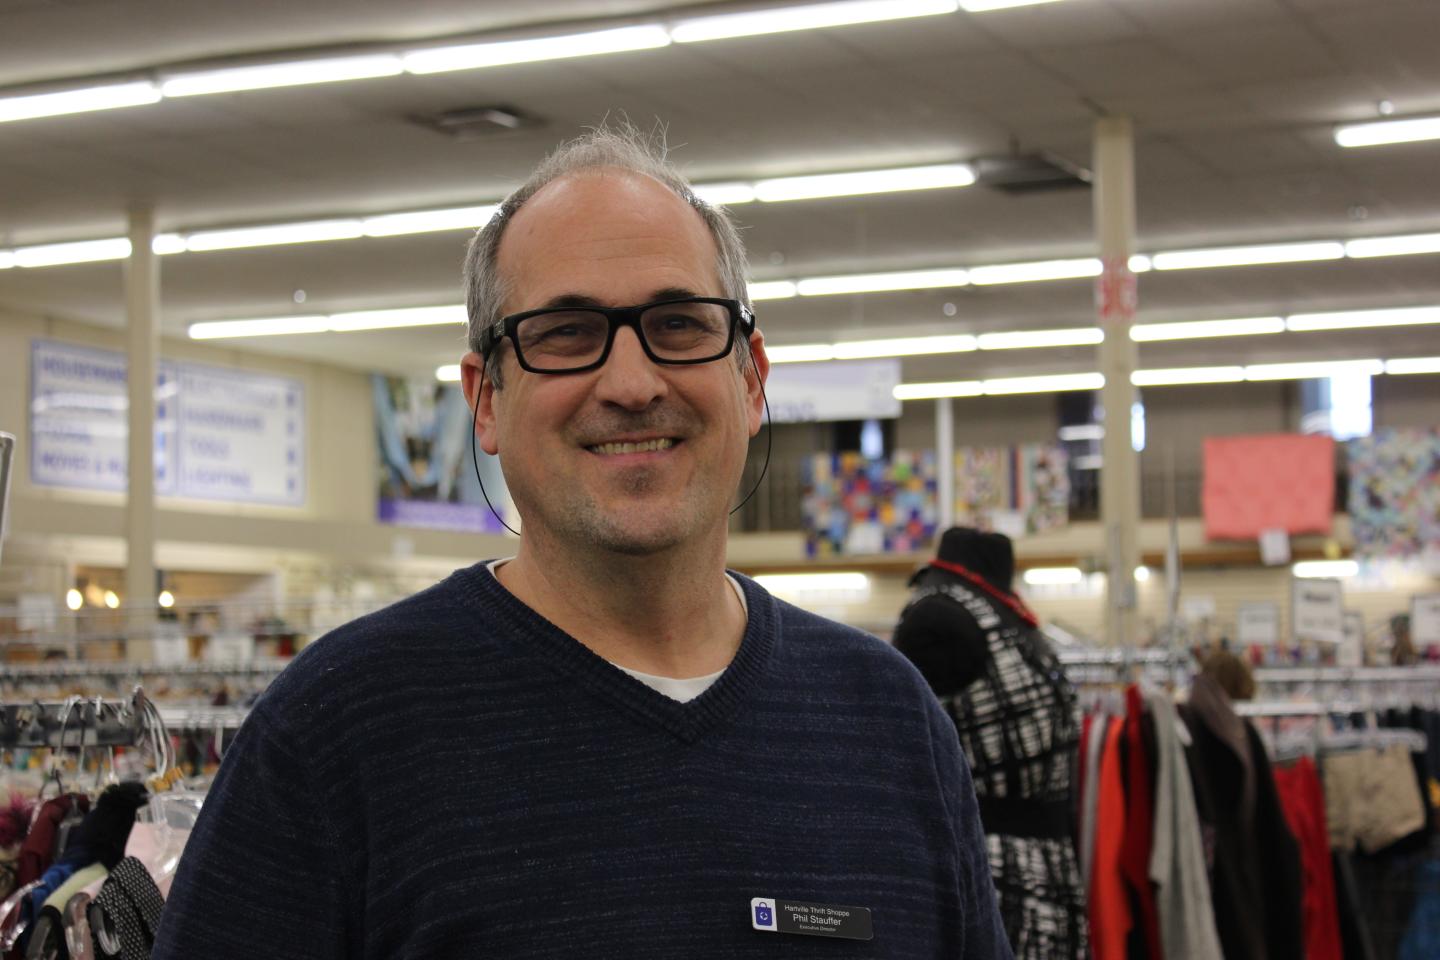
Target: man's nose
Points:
(629, 378)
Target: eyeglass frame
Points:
(741, 317)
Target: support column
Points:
(945, 460)
(142, 340)
(1114, 197)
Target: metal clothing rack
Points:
(74, 723)
(120, 670)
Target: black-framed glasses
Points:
(575, 339)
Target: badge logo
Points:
(762, 914)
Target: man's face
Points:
(616, 239)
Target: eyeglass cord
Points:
(764, 470)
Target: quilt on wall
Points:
(1395, 492)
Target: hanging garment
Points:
(1177, 856)
(1303, 801)
(1019, 724)
(129, 908)
(1095, 747)
(38, 851)
(1110, 918)
(1356, 940)
(1139, 827)
(1255, 879)
(1371, 798)
(1422, 936)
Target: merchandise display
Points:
(961, 479)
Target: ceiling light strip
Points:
(1381, 132)
(727, 26)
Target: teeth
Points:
(649, 446)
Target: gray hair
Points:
(607, 147)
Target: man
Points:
(604, 746)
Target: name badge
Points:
(813, 919)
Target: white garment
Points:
(683, 689)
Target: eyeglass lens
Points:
(565, 339)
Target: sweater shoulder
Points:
(816, 641)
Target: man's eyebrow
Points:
(579, 300)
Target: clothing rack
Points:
(119, 670)
(76, 723)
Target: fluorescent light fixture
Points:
(1053, 576)
(864, 182)
(1205, 329)
(1039, 270)
(981, 6)
(1363, 319)
(1139, 263)
(1394, 246)
(1093, 461)
(166, 599)
(1326, 569)
(936, 391)
(404, 317)
(1181, 375)
(725, 194)
(262, 327)
(800, 353)
(904, 347)
(1321, 370)
(1388, 131)
(785, 19)
(112, 599)
(7, 259)
(82, 100)
(1413, 365)
(267, 76)
(428, 221)
(448, 373)
(1142, 574)
(1026, 339)
(472, 56)
(311, 232)
(165, 244)
(1058, 383)
(877, 282)
(772, 290)
(74, 599)
(1082, 431)
(82, 251)
(1248, 256)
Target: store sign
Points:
(840, 390)
(1425, 620)
(1352, 649)
(1317, 611)
(220, 434)
(1258, 625)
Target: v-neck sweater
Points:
(454, 776)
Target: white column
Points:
(1114, 197)
(142, 339)
(945, 460)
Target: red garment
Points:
(1140, 824)
(1303, 801)
(38, 851)
(1109, 909)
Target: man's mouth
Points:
(642, 446)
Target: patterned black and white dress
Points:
(1019, 724)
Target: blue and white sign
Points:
(219, 434)
(838, 390)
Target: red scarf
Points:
(1009, 599)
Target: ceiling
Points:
(1234, 103)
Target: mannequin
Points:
(981, 650)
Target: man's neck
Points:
(667, 615)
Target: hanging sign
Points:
(1352, 648)
(1258, 625)
(220, 434)
(1317, 611)
(1425, 620)
(839, 390)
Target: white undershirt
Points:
(683, 689)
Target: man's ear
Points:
(480, 389)
(757, 371)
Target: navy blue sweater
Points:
(456, 777)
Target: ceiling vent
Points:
(478, 123)
(1029, 173)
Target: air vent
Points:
(478, 123)
(1029, 173)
